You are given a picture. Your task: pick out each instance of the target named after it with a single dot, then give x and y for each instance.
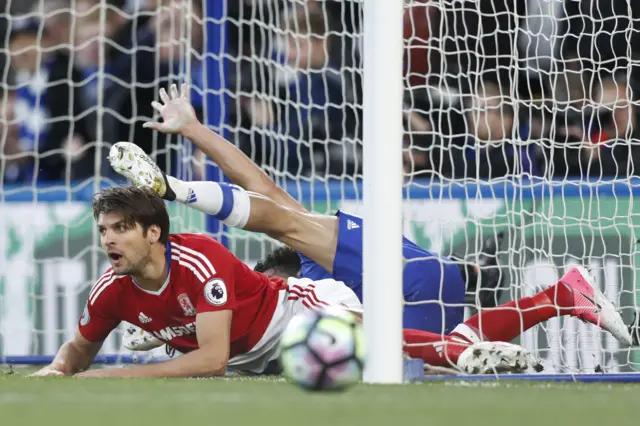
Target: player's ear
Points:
(153, 234)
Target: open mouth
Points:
(114, 256)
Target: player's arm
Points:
(210, 360)
(74, 356)
(258, 206)
(180, 117)
(237, 166)
(98, 319)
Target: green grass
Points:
(241, 401)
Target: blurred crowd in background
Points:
(493, 88)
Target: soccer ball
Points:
(323, 350)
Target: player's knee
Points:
(236, 206)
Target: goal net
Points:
(519, 126)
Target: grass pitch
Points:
(242, 401)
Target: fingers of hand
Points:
(164, 96)
(157, 106)
(174, 91)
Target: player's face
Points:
(125, 245)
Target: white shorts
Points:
(302, 295)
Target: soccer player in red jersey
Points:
(188, 291)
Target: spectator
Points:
(475, 38)
(494, 149)
(420, 55)
(606, 136)
(172, 48)
(13, 158)
(434, 135)
(57, 22)
(130, 80)
(87, 49)
(51, 136)
(167, 28)
(303, 112)
(245, 38)
(320, 104)
(600, 32)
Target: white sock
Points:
(228, 203)
(467, 332)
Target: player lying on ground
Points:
(187, 290)
(193, 294)
(331, 245)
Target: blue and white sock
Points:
(228, 203)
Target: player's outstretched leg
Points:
(472, 358)
(229, 203)
(477, 345)
(315, 236)
(575, 294)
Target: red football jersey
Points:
(204, 276)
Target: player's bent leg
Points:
(434, 349)
(315, 236)
(473, 358)
(497, 358)
(575, 294)
(228, 203)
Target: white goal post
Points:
(382, 189)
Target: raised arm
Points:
(179, 117)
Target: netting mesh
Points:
(520, 117)
(78, 77)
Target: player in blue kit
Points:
(438, 283)
(318, 246)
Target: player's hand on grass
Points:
(47, 372)
(176, 110)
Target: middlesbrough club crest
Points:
(186, 305)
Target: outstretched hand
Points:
(176, 110)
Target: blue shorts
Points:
(429, 278)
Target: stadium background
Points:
(525, 71)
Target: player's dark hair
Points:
(284, 260)
(136, 205)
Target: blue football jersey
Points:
(432, 284)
